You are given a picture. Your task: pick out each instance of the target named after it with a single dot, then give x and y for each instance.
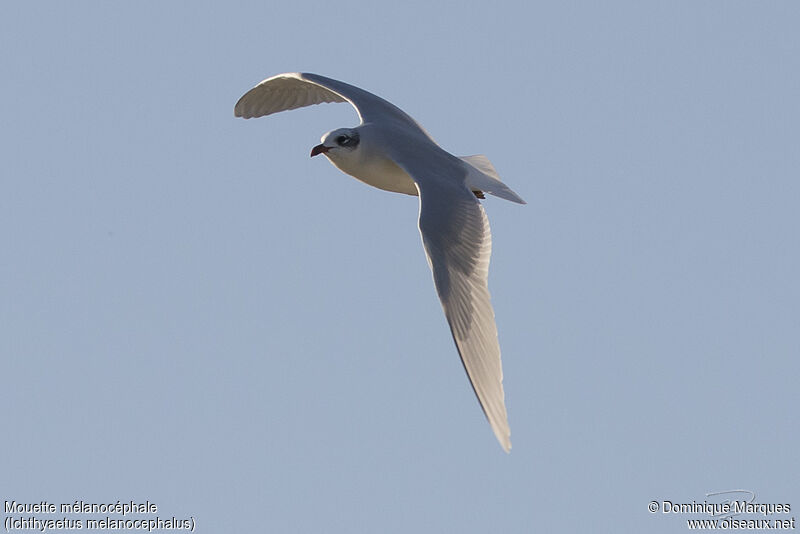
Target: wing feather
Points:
(458, 244)
(300, 89)
(282, 93)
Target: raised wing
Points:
(458, 244)
(282, 93)
(299, 89)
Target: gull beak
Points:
(319, 149)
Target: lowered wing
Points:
(458, 243)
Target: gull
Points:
(391, 151)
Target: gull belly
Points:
(379, 172)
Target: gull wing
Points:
(300, 89)
(458, 243)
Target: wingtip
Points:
(238, 109)
(501, 431)
(505, 443)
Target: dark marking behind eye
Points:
(348, 140)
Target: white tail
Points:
(481, 176)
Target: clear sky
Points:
(194, 312)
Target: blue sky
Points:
(194, 312)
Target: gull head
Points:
(354, 151)
(338, 144)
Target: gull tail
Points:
(481, 176)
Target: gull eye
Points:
(342, 140)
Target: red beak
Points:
(319, 149)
